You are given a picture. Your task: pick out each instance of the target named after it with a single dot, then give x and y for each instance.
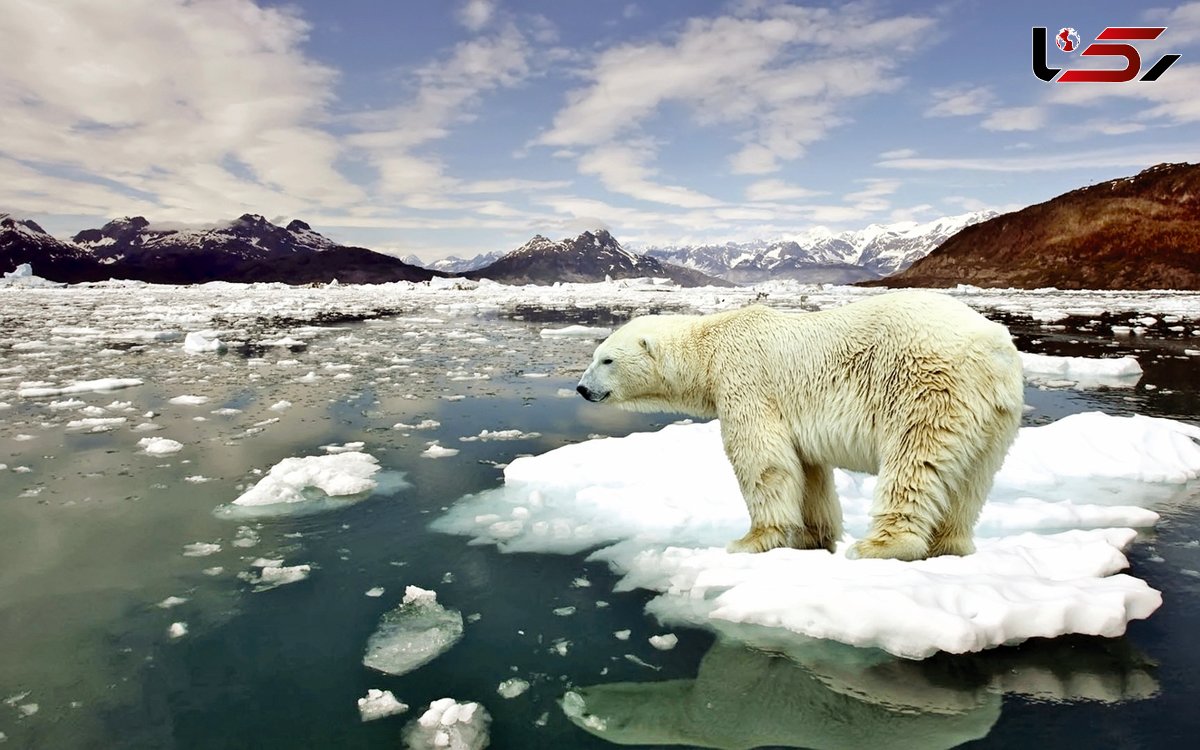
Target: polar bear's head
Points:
(623, 368)
(629, 368)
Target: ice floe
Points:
(413, 634)
(311, 484)
(198, 342)
(271, 574)
(1081, 372)
(81, 386)
(449, 724)
(585, 332)
(379, 704)
(661, 506)
(158, 446)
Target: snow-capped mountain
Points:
(592, 256)
(24, 241)
(820, 255)
(455, 264)
(247, 249)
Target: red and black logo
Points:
(1110, 43)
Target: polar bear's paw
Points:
(902, 546)
(764, 538)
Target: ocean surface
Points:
(96, 535)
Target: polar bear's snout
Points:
(590, 395)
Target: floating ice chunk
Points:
(282, 405)
(375, 592)
(188, 400)
(177, 630)
(674, 503)
(379, 704)
(493, 435)
(70, 403)
(664, 642)
(273, 576)
(309, 484)
(81, 386)
(344, 448)
(157, 446)
(200, 549)
(424, 424)
(583, 332)
(438, 451)
(1081, 372)
(449, 724)
(622, 635)
(172, 601)
(96, 424)
(513, 687)
(202, 343)
(197, 479)
(286, 342)
(413, 634)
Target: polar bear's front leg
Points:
(772, 483)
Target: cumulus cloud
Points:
(208, 106)
(780, 76)
(476, 14)
(959, 101)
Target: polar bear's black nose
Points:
(585, 392)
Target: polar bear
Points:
(913, 386)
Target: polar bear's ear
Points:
(648, 346)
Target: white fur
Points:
(914, 386)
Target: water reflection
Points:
(822, 695)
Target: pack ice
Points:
(659, 508)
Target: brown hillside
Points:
(1140, 232)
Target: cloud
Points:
(959, 101)
(1123, 158)
(777, 190)
(476, 14)
(778, 75)
(873, 197)
(622, 169)
(1016, 118)
(217, 92)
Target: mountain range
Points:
(816, 256)
(592, 256)
(1138, 232)
(247, 249)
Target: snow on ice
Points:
(157, 446)
(449, 724)
(1048, 562)
(310, 484)
(413, 634)
(379, 704)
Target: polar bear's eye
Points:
(606, 361)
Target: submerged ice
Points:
(413, 634)
(661, 506)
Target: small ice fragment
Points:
(513, 687)
(622, 635)
(158, 446)
(437, 451)
(27, 709)
(274, 576)
(379, 704)
(641, 663)
(375, 592)
(199, 343)
(172, 601)
(214, 571)
(664, 642)
(564, 611)
(200, 549)
(281, 406)
(177, 630)
(188, 400)
(560, 646)
(575, 332)
(575, 708)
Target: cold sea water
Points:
(97, 535)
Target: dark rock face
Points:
(248, 249)
(590, 257)
(1140, 232)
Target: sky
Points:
(439, 127)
